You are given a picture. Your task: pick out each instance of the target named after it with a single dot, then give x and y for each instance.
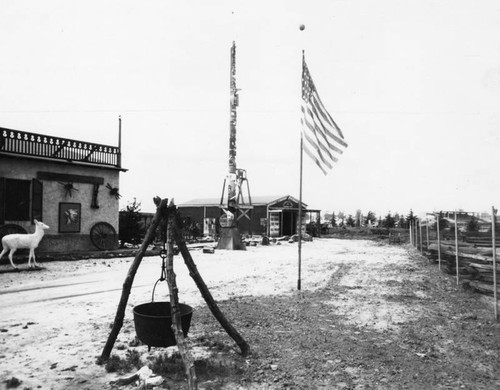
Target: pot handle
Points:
(163, 276)
(154, 288)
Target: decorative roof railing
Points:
(39, 145)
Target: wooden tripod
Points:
(168, 218)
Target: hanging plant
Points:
(113, 191)
(68, 189)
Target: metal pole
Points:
(493, 246)
(119, 162)
(439, 243)
(300, 197)
(300, 215)
(456, 246)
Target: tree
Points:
(371, 217)
(334, 220)
(402, 221)
(130, 229)
(410, 218)
(358, 218)
(388, 221)
(341, 216)
(350, 221)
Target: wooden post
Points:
(181, 342)
(456, 246)
(410, 233)
(421, 239)
(493, 246)
(427, 231)
(212, 305)
(416, 233)
(439, 242)
(127, 284)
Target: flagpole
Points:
(320, 138)
(300, 201)
(300, 215)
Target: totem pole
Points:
(235, 206)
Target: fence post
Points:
(427, 231)
(410, 233)
(493, 246)
(416, 233)
(420, 231)
(439, 243)
(456, 246)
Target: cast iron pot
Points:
(153, 323)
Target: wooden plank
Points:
(69, 178)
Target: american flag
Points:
(322, 139)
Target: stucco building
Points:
(72, 186)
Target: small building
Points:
(72, 186)
(274, 216)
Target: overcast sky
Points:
(414, 85)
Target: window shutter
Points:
(37, 200)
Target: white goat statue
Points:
(13, 242)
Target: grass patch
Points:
(13, 383)
(132, 360)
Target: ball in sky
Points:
(302, 27)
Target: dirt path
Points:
(386, 320)
(369, 316)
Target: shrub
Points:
(130, 230)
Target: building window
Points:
(17, 200)
(16, 197)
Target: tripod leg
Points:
(129, 280)
(212, 305)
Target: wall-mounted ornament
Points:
(68, 189)
(70, 217)
(113, 191)
(95, 193)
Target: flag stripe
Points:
(314, 134)
(323, 140)
(325, 133)
(314, 138)
(323, 153)
(325, 113)
(318, 162)
(332, 124)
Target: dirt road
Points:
(368, 316)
